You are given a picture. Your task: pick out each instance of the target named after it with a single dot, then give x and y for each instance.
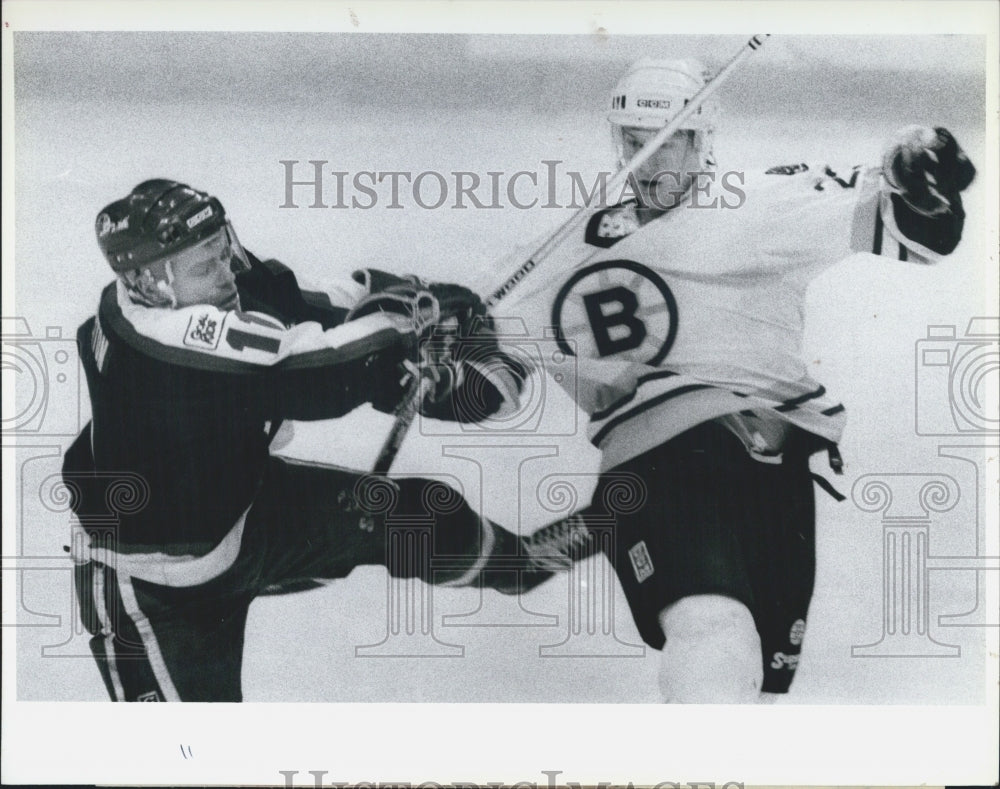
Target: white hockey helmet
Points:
(652, 92)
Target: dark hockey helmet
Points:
(159, 218)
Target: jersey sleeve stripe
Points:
(666, 407)
(606, 412)
(795, 402)
(117, 324)
(659, 419)
(352, 350)
(355, 351)
(866, 223)
(600, 435)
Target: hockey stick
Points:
(426, 314)
(617, 182)
(403, 418)
(553, 547)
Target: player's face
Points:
(665, 177)
(203, 274)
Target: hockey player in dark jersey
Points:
(687, 326)
(197, 352)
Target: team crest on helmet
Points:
(105, 226)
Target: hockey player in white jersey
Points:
(686, 315)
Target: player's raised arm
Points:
(294, 353)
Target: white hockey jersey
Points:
(700, 313)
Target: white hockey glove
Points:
(927, 168)
(412, 301)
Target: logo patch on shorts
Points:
(781, 660)
(153, 695)
(203, 331)
(797, 632)
(642, 564)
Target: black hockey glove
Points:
(483, 378)
(462, 305)
(387, 378)
(927, 168)
(392, 373)
(458, 352)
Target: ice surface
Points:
(864, 319)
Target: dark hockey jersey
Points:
(183, 399)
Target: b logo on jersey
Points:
(616, 308)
